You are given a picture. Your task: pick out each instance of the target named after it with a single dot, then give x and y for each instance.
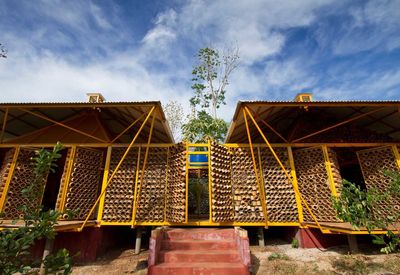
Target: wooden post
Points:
(353, 245)
(261, 242)
(138, 243)
(48, 247)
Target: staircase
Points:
(199, 251)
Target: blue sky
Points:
(145, 50)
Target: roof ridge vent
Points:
(303, 97)
(95, 98)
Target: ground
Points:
(275, 258)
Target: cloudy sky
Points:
(145, 50)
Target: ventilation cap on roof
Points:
(95, 98)
(303, 97)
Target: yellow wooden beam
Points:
(9, 178)
(396, 154)
(67, 178)
(127, 128)
(284, 169)
(187, 184)
(338, 124)
(255, 166)
(135, 187)
(63, 125)
(262, 185)
(295, 183)
(116, 169)
(328, 167)
(104, 184)
(146, 155)
(210, 180)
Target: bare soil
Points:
(275, 258)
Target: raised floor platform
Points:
(347, 228)
(60, 226)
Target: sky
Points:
(145, 50)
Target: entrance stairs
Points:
(202, 251)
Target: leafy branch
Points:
(15, 244)
(363, 209)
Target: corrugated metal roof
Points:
(328, 105)
(320, 101)
(80, 103)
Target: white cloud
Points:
(158, 65)
(378, 86)
(253, 25)
(374, 25)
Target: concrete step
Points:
(191, 256)
(197, 244)
(200, 234)
(206, 268)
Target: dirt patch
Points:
(283, 259)
(116, 262)
(277, 258)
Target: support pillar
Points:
(138, 242)
(48, 247)
(260, 234)
(353, 245)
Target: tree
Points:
(15, 244)
(203, 127)
(174, 114)
(210, 77)
(3, 51)
(362, 208)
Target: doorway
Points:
(198, 195)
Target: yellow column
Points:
(135, 187)
(262, 182)
(396, 154)
(209, 181)
(9, 178)
(64, 191)
(328, 167)
(262, 199)
(295, 184)
(103, 186)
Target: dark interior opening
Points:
(349, 166)
(53, 183)
(198, 197)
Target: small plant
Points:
(278, 256)
(295, 243)
(362, 208)
(15, 244)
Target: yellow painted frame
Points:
(116, 169)
(9, 178)
(262, 199)
(146, 155)
(104, 184)
(135, 188)
(295, 183)
(328, 167)
(210, 191)
(396, 154)
(284, 169)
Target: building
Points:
(279, 167)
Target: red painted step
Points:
(200, 234)
(196, 244)
(199, 269)
(202, 251)
(217, 256)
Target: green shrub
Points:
(15, 244)
(361, 208)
